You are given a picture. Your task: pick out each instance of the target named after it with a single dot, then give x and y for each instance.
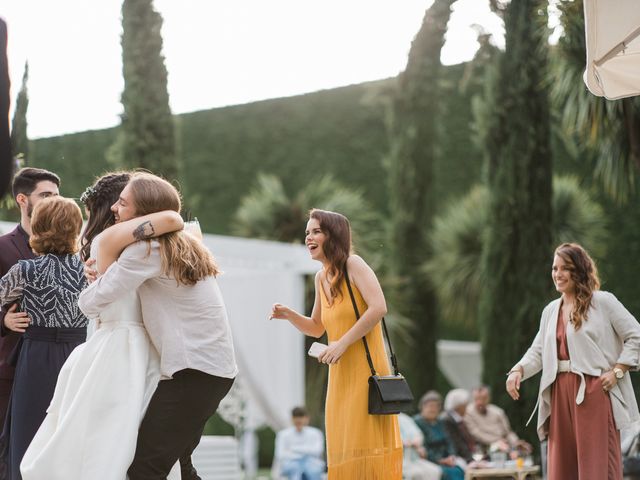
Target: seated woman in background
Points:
(415, 466)
(47, 288)
(436, 442)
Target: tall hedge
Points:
(518, 249)
(413, 151)
(339, 131)
(148, 137)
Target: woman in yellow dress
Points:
(359, 446)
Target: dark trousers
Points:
(5, 394)
(42, 353)
(173, 424)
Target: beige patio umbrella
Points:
(612, 29)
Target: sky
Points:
(217, 52)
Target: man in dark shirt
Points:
(30, 185)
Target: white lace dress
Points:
(102, 392)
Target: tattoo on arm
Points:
(144, 231)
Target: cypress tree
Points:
(147, 130)
(413, 136)
(19, 139)
(517, 250)
(6, 166)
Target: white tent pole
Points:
(619, 47)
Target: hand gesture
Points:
(281, 312)
(608, 380)
(90, 273)
(332, 353)
(16, 321)
(513, 384)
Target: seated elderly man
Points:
(415, 466)
(489, 425)
(455, 406)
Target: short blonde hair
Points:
(55, 226)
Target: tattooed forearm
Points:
(143, 231)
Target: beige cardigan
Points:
(610, 335)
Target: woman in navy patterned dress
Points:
(47, 288)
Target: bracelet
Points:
(514, 371)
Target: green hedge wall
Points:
(341, 131)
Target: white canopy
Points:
(270, 354)
(460, 362)
(612, 30)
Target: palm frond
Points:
(265, 212)
(592, 127)
(458, 234)
(269, 212)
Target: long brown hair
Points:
(183, 257)
(585, 276)
(98, 199)
(337, 246)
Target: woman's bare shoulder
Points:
(356, 262)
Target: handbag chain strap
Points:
(364, 340)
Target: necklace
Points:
(567, 312)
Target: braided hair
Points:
(98, 199)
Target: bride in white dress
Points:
(104, 388)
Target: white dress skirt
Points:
(102, 393)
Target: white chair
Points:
(217, 458)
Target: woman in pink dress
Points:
(586, 344)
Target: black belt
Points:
(56, 334)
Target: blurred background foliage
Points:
(457, 239)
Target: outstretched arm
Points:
(117, 237)
(312, 325)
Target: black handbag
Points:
(388, 394)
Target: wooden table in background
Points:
(507, 472)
